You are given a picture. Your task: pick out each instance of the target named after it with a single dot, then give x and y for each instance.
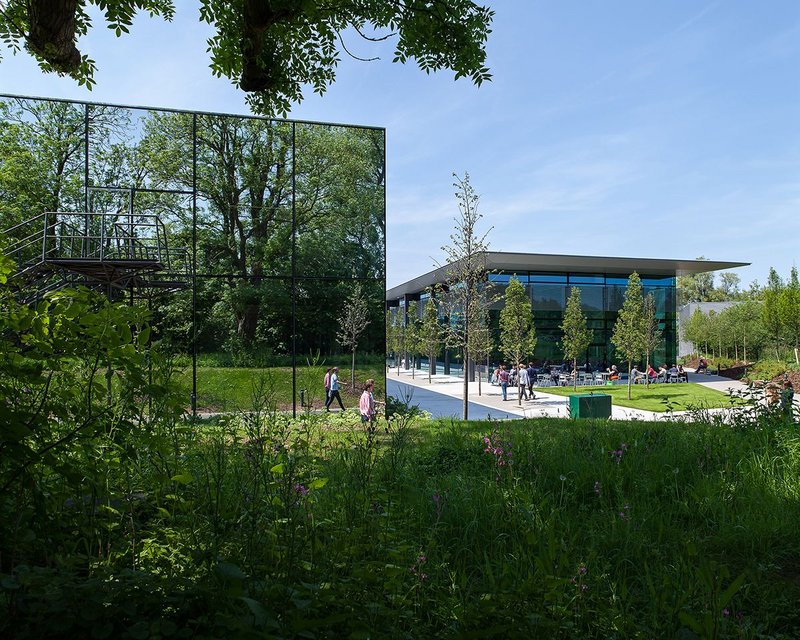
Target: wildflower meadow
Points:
(259, 526)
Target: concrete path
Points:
(545, 404)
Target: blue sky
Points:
(616, 127)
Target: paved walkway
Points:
(545, 404)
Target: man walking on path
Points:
(334, 392)
(531, 380)
(522, 382)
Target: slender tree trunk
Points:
(353, 372)
(575, 370)
(430, 368)
(466, 388)
(630, 363)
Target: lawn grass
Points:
(222, 389)
(656, 397)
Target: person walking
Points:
(366, 405)
(327, 383)
(334, 390)
(522, 383)
(531, 380)
(503, 381)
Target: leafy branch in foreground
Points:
(270, 49)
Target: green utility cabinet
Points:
(590, 405)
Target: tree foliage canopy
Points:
(577, 335)
(268, 48)
(517, 333)
(629, 329)
(465, 274)
(430, 331)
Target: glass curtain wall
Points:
(602, 297)
(248, 239)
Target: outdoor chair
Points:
(543, 380)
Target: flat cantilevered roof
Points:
(547, 263)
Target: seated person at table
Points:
(682, 375)
(651, 373)
(702, 366)
(613, 373)
(673, 372)
(636, 375)
(662, 373)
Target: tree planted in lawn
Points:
(652, 334)
(629, 329)
(412, 335)
(577, 336)
(481, 341)
(352, 322)
(465, 275)
(517, 333)
(771, 311)
(430, 332)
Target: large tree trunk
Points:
(258, 16)
(52, 33)
(248, 323)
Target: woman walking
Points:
(334, 392)
(366, 405)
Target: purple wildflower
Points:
(300, 489)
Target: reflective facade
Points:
(244, 236)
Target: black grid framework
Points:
(294, 276)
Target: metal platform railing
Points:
(118, 249)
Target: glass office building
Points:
(548, 280)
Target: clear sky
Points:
(612, 127)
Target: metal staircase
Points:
(112, 252)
